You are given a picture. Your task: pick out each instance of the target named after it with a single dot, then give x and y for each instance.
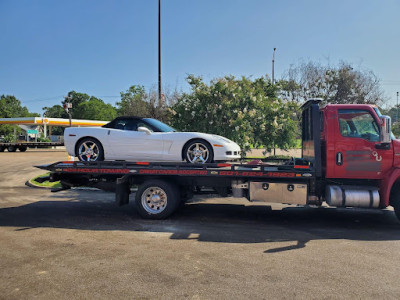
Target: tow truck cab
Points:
(359, 159)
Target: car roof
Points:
(129, 117)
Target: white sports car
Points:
(146, 139)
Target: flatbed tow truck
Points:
(23, 146)
(349, 159)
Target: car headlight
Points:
(222, 138)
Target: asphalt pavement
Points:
(78, 245)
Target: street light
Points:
(273, 63)
(159, 51)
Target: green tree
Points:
(137, 102)
(10, 107)
(96, 109)
(339, 84)
(76, 99)
(243, 110)
(83, 107)
(55, 111)
(134, 102)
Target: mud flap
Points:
(122, 192)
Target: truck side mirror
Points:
(386, 130)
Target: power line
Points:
(41, 99)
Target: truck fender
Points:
(386, 186)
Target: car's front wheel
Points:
(198, 151)
(90, 149)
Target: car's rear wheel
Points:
(90, 149)
(198, 151)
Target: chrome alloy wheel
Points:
(154, 200)
(88, 151)
(197, 153)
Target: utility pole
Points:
(159, 52)
(68, 107)
(273, 63)
(397, 119)
(273, 79)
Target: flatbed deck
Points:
(180, 169)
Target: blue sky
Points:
(48, 48)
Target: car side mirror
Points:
(144, 129)
(386, 130)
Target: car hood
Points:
(211, 138)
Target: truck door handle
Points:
(339, 158)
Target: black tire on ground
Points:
(395, 201)
(198, 151)
(23, 148)
(89, 149)
(157, 199)
(2, 149)
(11, 148)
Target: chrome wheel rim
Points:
(197, 153)
(88, 151)
(154, 200)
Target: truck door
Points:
(358, 152)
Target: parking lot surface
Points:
(77, 244)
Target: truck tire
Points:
(2, 148)
(11, 148)
(157, 199)
(395, 201)
(22, 148)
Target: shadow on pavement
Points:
(207, 222)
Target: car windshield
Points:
(159, 125)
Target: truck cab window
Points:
(358, 124)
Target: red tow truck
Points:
(349, 159)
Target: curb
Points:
(32, 185)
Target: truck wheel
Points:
(23, 148)
(157, 199)
(396, 206)
(395, 201)
(11, 149)
(2, 149)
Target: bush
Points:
(243, 110)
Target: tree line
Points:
(254, 112)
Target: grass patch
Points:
(46, 183)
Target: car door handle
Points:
(339, 158)
(108, 133)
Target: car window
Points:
(120, 124)
(142, 124)
(358, 124)
(131, 125)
